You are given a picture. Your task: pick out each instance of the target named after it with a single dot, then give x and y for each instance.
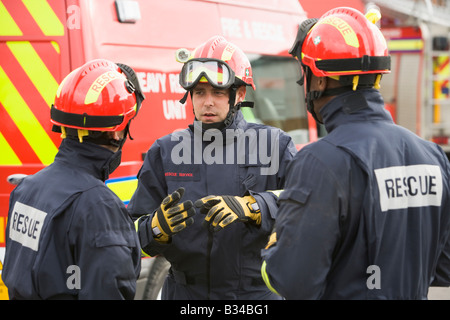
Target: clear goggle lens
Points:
(216, 72)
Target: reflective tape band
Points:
(276, 192)
(136, 226)
(265, 277)
(123, 187)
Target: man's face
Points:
(210, 104)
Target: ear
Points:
(114, 135)
(240, 94)
(322, 83)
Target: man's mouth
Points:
(209, 115)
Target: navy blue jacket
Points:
(366, 211)
(68, 235)
(223, 265)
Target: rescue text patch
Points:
(409, 186)
(26, 225)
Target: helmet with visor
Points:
(221, 64)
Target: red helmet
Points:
(342, 42)
(218, 61)
(97, 96)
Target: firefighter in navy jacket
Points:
(68, 235)
(365, 213)
(218, 165)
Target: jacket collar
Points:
(359, 105)
(237, 123)
(86, 156)
(209, 134)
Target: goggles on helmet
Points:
(217, 72)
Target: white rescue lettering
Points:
(173, 109)
(152, 81)
(26, 225)
(174, 83)
(403, 187)
(258, 30)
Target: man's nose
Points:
(209, 99)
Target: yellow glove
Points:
(223, 210)
(272, 240)
(171, 217)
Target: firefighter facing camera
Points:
(365, 213)
(226, 195)
(68, 235)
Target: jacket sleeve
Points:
(150, 192)
(268, 200)
(307, 230)
(106, 248)
(151, 188)
(442, 276)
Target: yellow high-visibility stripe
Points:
(35, 68)
(276, 192)
(123, 189)
(8, 26)
(55, 45)
(2, 234)
(25, 120)
(265, 277)
(45, 17)
(9, 157)
(136, 227)
(405, 45)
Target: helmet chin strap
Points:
(230, 115)
(314, 95)
(311, 96)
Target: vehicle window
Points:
(279, 100)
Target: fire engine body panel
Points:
(41, 41)
(417, 91)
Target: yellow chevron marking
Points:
(25, 120)
(9, 157)
(2, 234)
(55, 45)
(8, 26)
(45, 17)
(35, 68)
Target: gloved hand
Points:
(223, 210)
(171, 217)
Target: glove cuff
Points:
(253, 208)
(157, 231)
